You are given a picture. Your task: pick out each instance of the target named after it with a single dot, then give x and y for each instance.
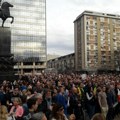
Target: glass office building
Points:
(28, 34)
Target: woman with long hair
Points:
(3, 112)
(58, 113)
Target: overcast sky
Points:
(60, 17)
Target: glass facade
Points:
(28, 32)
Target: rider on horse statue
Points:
(5, 12)
(1, 9)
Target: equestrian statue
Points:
(5, 12)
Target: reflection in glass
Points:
(28, 30)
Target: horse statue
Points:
(5, 12)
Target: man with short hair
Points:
(32, 106)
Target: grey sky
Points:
(60, 17)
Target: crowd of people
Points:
(61, 97)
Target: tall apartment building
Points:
(28, 34)
(97, 41)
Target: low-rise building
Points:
(63, 64)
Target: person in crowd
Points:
(81, 90)
(113, 91)
(30, 93)
(39, 116)
(60, 98)
(47, 99)
(98, 116)
(117, 104)
(33, 113)
(15, 93)
(75, 104)
(58, 113)
(17, 110)
(90, 103)
(102, 99)
(24, 92)
(54, 95)
(3, 112)
(97, 107)
(42, 106)
(32, 105)
(23, 87)
(38, 87)
(118, 92)
(2, 95)
(110, 101)
(8, 93)
(24, 105)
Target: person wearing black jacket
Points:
(75, 103)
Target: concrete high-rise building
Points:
(28, 34)
(97, 41)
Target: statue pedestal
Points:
(5, 41)
(6, 58)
